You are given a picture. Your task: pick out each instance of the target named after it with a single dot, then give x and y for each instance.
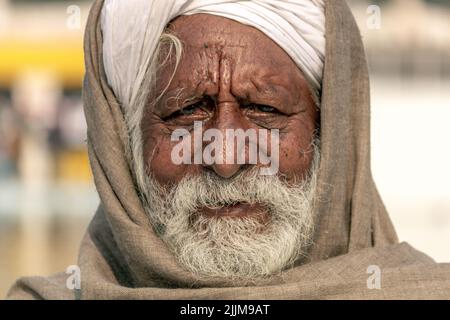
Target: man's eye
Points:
(265, 108)
(189, 110)
(262, 108)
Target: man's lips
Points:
(238, 210)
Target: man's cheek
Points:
(162, 165)
(295, 155)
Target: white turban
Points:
(132, 29)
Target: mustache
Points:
(244, 248)
(207, 189)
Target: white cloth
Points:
(132, 28)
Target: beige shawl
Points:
(122, 258)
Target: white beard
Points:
(237, 248)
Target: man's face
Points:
(231, 76)
(222, 218)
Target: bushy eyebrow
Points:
(263, 90)
(175, 95)
(267, 91)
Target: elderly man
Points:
(188, 211)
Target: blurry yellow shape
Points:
(73, 166)
(64, 57)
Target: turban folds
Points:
(131, 34)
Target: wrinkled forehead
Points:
(207, 29)
(132, 32)
(217, 50)
(208, 39)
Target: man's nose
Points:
(230, 121)
(226, 170)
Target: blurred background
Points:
(46, 192)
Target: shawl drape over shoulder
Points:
(122, 258)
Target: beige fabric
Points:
(122, 258)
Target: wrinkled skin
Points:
(232, 76)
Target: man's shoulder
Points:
(41, 288)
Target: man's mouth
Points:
(238, 210)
